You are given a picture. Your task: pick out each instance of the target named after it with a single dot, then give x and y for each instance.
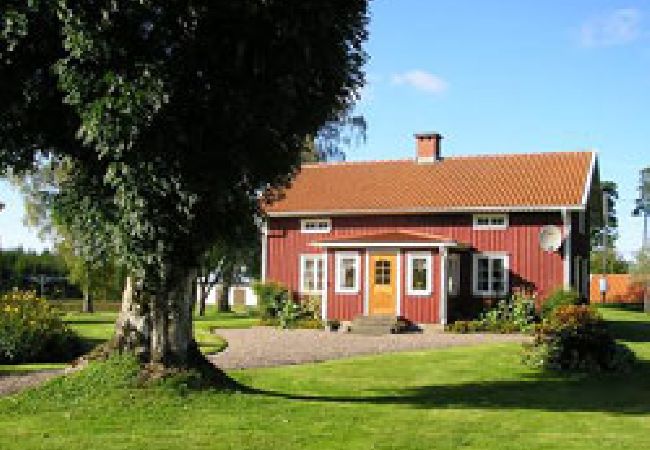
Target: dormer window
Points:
(490, 221)
(316, 225)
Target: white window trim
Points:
(314, 256)
(506, 273)
(304, 229)
(477, 226)
(410, 256)
(454, 289)
(357, 275)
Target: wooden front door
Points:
(383, 283)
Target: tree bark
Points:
(226, 282)
(87, 303)
(158, 328)
(203, 293)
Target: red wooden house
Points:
(431, 239)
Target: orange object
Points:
(620, 289)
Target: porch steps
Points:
(376, 325)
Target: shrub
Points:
(515, 312)
(30, 331)
(511, 315)
(557, 298)
(271, 298)
(576, 338)
(308, 324)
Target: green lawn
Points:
(478, 397)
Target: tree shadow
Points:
(618, 394)
(630, 330)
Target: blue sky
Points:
(499, 77)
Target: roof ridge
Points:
(324, 164)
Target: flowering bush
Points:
(30, 331)
(576, 338)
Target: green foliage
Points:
(30, 331)
(610, 189)
(559, 297)
(278, 308)
(19, 269)
(576, 338)
(614, 263)
(511, 315)
(270, 298)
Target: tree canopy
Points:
(172, 116)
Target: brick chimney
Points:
(428, 147)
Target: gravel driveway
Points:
(10, 384)
(266, 346)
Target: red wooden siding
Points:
(345, 306)
(530, 266)
(419, 308)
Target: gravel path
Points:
(10, 384)
(267, 347)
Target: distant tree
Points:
(610, 189)
(98, 278)
(173, 117)
(615, 263)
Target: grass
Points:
(473, 397)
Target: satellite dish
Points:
(550, 238)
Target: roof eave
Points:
(475, 209)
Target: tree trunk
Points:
(226, 282)
(158, 328)
(87, 303)
(203, 294)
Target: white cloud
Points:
(618, 27)
(422, 81)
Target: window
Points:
(312, 276)
(490, 274)
(490, 221)
(453, 272)
(315, 225)
(419, 273)
(382, 272)
(347, 272)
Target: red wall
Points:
(529, 265)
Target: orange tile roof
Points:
(497, 181)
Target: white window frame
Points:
(315, 256)
(453, 273)
(506, 274)
(410, 256)
(490, 217)
(304, 225)
(339, 257)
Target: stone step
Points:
(377, 325)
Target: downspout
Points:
(566, 225)
(265, 244)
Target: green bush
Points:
(270, 298)
(512, 315)
(557, 298)
(576, 338)
(30, 331)
(308, 324)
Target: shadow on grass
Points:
(630, 330)
(618, 394)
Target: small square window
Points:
(490, 221)
(315, 225)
